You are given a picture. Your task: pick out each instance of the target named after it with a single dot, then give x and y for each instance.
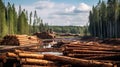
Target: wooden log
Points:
(36, 61)
(69, 45)
(10, 54)
(80, 55)
(89, 52)
(96, 56)
(86, 55)
(46, 50)
(90, 46)
(19, 40)
(75, 42)
(21, 51)
(31, 55)
(27, 65)
(21, 35)
(106, 57)
(18, 51)
(93, 48)
(77, 62)
(84, 45)
(93, 52)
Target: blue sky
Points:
(28, 2)
(58, 12)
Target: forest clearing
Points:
(58, 38)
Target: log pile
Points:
(93, 51)
(18, 40)
(115, 41)
(22, 58)
(45, 35)
(63, 42)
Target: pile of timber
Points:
(113, 41)
(23, 58)
(63, 42)
(45, 35)
(93, 51)
(18, 40)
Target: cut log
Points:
(9, 54)
(36, 61)
(85, 45)
(86, 55)
(19, 40)
(31, 55)
(106, 57)
(27, 65)
(45, 35)
(93, 52)
(18, 51)
(92, 48)
(77, 62)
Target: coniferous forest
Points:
(13, 22)
(22, 22)
(104, 19)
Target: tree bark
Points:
(29, 55)
(36, 61)
(77, 62)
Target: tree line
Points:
(104, 19)
(13, 22)
(69, 29)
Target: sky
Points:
(58, 12)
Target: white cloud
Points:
(60, 13)
(84, 7)
(70, 9)
(44, 4)
(78, 9)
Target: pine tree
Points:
(15, 19)
(30, 23)
(104, 19)
(23, 27)
(10, 19)
(3, 24)
(20, 10)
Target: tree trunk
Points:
(77, 62)
(36, 61)
(29, 55)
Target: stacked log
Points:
(29, 58)
(45, 35)
(115, 41)
(77, 62)
(9, 40)
(92, 51)
(63, 42)
(34, 40)
(24, 58)
(18, 40)
(23, 39)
